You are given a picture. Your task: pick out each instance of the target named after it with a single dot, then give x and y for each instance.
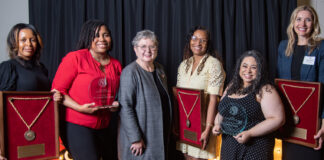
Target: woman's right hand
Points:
(1, 157)
(137, 148)
(217, 129)
(87, 108)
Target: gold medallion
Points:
(295, 108)
(30, 135)
(188, 123)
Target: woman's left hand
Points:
(204, 138)
(137, 148)
(243, 137)
(320, 137)
(57, 95)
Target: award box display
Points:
(28, 125)
(191, 106)
(302, 107)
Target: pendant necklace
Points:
(188, 124)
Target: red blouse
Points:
(74, 76)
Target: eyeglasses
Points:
(196, 39)
(145, 48)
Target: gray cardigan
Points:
(141, 115)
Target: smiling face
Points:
(102, 41)
(198, 43)
(303, 25)
(27, 44)
(146, 50)
(248, 70)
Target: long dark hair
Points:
(89, 31)
(236, 84)
(13, 41)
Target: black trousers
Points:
(292, 151)
(85, 143)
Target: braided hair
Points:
(89, 31)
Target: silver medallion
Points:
(296, 119)
(188, 123)
(30, 135)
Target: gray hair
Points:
(145, 34)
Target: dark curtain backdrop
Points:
(235, 26)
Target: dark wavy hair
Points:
(89, 31)
(187, 53)
(13, 41)
(236, 84)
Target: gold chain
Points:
(193, 106)
(36, 118)
(301, 106)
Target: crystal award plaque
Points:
(234, 119)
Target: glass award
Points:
(98, 91)
(234, 119)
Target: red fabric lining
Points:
(195, 119)
(308, 114)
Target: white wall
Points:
(318, 5)
(11, 12)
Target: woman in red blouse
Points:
(89, 80)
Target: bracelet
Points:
(209, 124)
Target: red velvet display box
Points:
(195, 100)
(32, 106)
(301, 99)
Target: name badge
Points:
(309, 60)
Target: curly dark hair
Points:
(13, 40)
(89, 31)
(187, 53)
(236, 84)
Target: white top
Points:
(211, 80)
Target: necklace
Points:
(102, 82)
(296, 117)
(29, 134)
(201, 64)
(188, 124)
